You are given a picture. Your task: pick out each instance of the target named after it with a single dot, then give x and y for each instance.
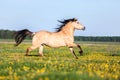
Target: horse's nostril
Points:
(83, 28)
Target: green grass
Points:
(101, 61)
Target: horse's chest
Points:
(69, 39)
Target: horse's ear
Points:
(74, 19)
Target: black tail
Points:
(20, 36)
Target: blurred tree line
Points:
(98, 38)
(6, 34)
(9, 34)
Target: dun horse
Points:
(64, 36)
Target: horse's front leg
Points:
(41, 51)
(81, 51)
(72, 51)
(78, 45)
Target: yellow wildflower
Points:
(25, 68)
(41, 70)
(2, 77)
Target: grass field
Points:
(101, 61)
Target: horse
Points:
(64, 36)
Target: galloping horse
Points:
(64, 36)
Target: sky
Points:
(101, 17)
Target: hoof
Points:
(76, 57)
(26, 54)
(81, 53)
(40, 55)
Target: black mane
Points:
(64, 22)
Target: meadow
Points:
(101, 61)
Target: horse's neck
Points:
(68, 30)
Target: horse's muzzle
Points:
(84, 28)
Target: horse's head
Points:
(77, 25)
(71, 22)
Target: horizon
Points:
(74, 35)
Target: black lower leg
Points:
(81, 51)
(75, 55)
(72, 51)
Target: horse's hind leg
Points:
(30, 49)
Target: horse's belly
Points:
(55, 43)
